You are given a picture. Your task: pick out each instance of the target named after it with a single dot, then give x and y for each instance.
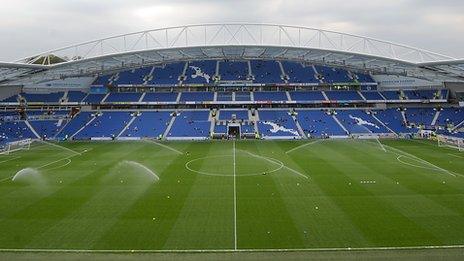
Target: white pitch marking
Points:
(406, 154)
(278, 162)
(18, 250)
(451, 154)
(53, 162)
(303, 145)
(7, 178)
(423, 167)
(381, 145)
(61, 147)
(64, 165)
(165, 146)
(235, 201)
(50, 163)
(10, 159)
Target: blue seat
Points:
(359, 122)
(160, 97)
(94, 98)
(270, 96)
(266, 72)
(233, 71)
(123, 97)
(242, 96)
(420, 116)
(318, 123)
(200, 72)
(343, 96)
(334, 75)
(197, 96)
(167, 74)
(150, 124)
(372, 96)
(76, 96)
(450, 116)
(276, 123)
(43, 98)
(191, 124)
(108, 125)
(227, 114)
(298, 73)
(393, 119)
(307, 96)
(75, 124)
(46, 128)
(14, 131)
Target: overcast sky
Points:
(31, 26)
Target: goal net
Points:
(15, 146)
(451, 142)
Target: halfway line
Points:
(235, 201)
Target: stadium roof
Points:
(232, 41)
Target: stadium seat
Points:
(266, 72)
(233, 71)
(277, 123)
(360, 122)
(191, 124)
(200, 72)
(150, 124)
(317, 123)
(298, 73)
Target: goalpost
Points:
(15, 146)
(451, 142)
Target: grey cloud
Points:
(31, 26)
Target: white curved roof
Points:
(232, 41)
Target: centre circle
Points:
(223, 165)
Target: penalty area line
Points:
(303, 145)
(451, 154)
(66, 158)
(400, 152)
(165, 146)
(51, 163)
(381, 145)
(61, 147)
(10, 159)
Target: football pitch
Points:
(232, 195)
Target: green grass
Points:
(327, 194)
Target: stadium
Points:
(241, 140)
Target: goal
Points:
(15, 146)
(451, 142)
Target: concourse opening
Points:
(233, 130)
